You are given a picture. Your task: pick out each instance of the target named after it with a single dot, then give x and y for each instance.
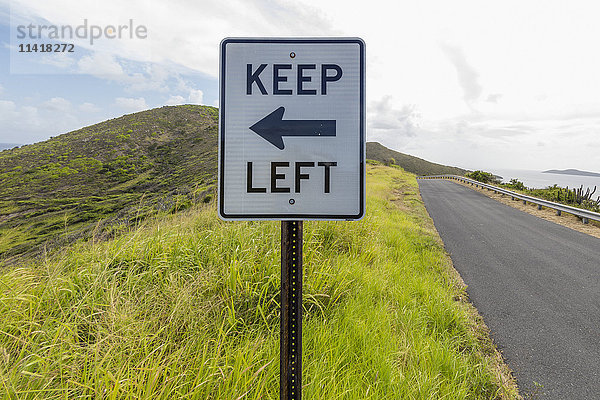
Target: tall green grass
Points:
(187, 307)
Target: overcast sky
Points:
(476, 84)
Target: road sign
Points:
(292, 129)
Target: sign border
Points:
(221, 167)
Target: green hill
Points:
(117, 172)
(104, 178)
(418, 166)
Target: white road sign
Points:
(292, 129)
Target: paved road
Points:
(536, 284)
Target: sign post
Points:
(292, 148)
(290, 332)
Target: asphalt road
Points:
(536, 284)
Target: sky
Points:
(474, 84)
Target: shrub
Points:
(482, 176)
(516, 184)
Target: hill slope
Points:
(187, 307)
(102, 178)
(418, 166)
(118, 171)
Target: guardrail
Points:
(585, 215)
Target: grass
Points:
(187, 307)
(55, 192)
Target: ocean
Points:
(538, 179)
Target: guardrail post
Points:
(584, 220)
(524, 201)
(539, 206)
(558, 212)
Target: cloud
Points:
(7, 110)
(153, 77)
(89, 108)
(100, 65)
(184, 33)
(26, 123)
(60, 60)
(131, 104)
(493, 98)
(468, 78)
(384, 117)
(1, 89)
(58, 104)
(196, 96)
(175, 100)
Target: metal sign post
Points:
(290, 378)
(292, 148)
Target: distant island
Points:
(571, 172)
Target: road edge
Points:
(505, 378)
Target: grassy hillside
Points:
(187, 307)
(418, 166)
(102, 179)
(117, 171)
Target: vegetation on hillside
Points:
(102, 179)
(187, 307)
(418, 166)
(116, 172)
(483, 177)
(579, 197)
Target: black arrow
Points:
(273, 128)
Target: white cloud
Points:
(468, 78)
(175, 100)
(32, 120)
(131, 104)
(61, 60)
(153, 77)
(196, 96)
(493, 97)
(26, 123)
(386, 121)
(100, 65)
(182, 32)
(7, 109)
(58, 104)
(89, 108)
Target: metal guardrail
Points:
(585, 215)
